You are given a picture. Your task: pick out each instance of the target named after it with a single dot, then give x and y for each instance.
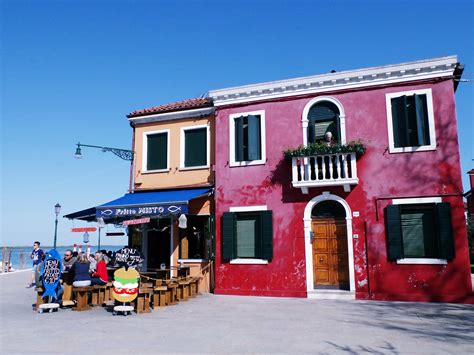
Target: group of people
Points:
(88, 269)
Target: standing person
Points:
(81, 271)
(35, 255)
(100, 277)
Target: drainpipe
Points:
(367, 258)
(132, 164)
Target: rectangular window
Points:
(195, 147)
(155, 151)
(420, 231)
(247, 235)
(247, 138)
(410, 121)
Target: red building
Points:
(331, 220)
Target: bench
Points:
(159, 297)
(39, 297)
(82, 296)
(171, 298)
(98, 295)
(143, 300)
(194, 286)
(183, 290)
(108, 293)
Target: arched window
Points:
(323, 117)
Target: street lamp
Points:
(57, 209)
(124, 154)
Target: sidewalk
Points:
(228, 324)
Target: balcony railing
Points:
(338, 169)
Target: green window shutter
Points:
(422, 120)
(247, 235)
(399, 121)
(267, 235)
(239, 138)
(445, 231)
(394, 232)
(157, 151)
(254, 143)
(195, 147)
(418, 230)
(228, 235)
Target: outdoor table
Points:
(143, 300)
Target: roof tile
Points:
(199, 102)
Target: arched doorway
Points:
(329, 247)
(313, 292)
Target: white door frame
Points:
(325, 196)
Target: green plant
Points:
(321, 148)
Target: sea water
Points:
(20, 256)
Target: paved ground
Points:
(227, 324)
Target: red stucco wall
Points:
(380, 175)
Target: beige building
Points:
(174, 155)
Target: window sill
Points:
(184, 261)
(249, 261)
(155, 171)
(422, 261)
(246, 163)
(422, 148)
(200, 167)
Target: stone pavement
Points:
(228, 324)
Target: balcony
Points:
(321, 170)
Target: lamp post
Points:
(124, 154)
(57, 209)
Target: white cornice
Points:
(175, 115)
(388, 74)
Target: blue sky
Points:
(72, 70)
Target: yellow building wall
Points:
(175, 177)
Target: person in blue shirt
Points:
(35, 255)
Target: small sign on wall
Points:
(355, 214)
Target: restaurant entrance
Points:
(159, 243)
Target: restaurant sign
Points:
(136, 221)
(82, 230)
(149, 210)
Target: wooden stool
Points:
(143, 300)
(171, 298)
(98, 295)
(39, 297)
(159, 297)
(82, 298)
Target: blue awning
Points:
(151, 203)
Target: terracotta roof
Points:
(199, 102)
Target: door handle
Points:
(321, 260)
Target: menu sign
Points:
(129, 257)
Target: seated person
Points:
(81, 271)
(68, 260)
(100, 277)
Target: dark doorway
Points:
(159, 247)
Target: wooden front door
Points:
(330, 257)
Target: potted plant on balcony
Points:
(321, 148)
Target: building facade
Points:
(174, 153)
(369, 206)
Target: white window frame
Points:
(145, 151)
(182, 147)
(248, 261)
(419, 261)
(263, 159)
(431, 121)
